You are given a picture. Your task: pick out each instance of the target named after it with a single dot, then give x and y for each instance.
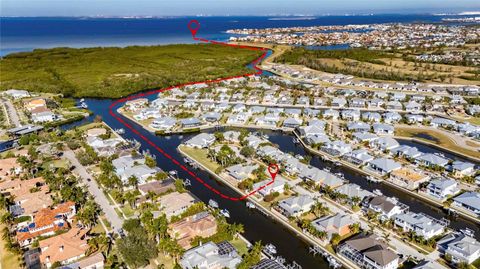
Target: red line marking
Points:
(156, 91)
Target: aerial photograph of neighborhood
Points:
(274, 134)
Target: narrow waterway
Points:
(258, 227)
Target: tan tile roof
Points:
(406, 173)
(5, 166)
(64, 246)
(44, 218)
(201, 224)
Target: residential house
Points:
(371, 116)
(391, 117)
(212, 117)
(337, 148)
(368, 252)
(351, 115)
(414, 118)
(336, 224)
(64, 248)
(241, 171)
(358, 157)
(352, 190)
(419, 223)
(190, 122)
(296, 205)
(461, 169)
(176, 203)
(385, 143)
(407, 152)
(383, 129)
(442, 188)
(364, 137)
(386, 207)
(268, 120)
(211, 256)
(469, 201)
(432, 160)
(16, 94)
(462, 248)
(265, 187)
(34, 103)
(408, 178)
(203, 140)
(46, 222)
(94, 261)
(413, 106)
(361, 127)
(163, 123)
(292, 122)
(384, 166)
(331, 114)
(238, 118)
(442, 122)
(394, 105)
(202, 224)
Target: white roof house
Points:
(460, 247)
(385, 143)
(353, 190)
(442, 188)
(277, 186)
(202, 140)
(421, 224)
(209, 256)
(296, 205)
(429, 159)
(241, 171)
(163, 123)
(16, 94)
(468, 200)
(384, 166)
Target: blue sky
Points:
(226, 7)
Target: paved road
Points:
(12, 113)
(95, 190)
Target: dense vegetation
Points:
(116, 72)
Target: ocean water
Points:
(26, 34)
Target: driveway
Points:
(12, 113)
(95, 190)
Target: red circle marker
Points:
(193, 25)
(273, 170)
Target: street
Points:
(11, 113)
(95, 190)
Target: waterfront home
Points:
(358, 157)
(368, 252)
(159, 103)
(292, 122)
(331, 114)
(391, 117)
(157, 187)
(383, 166)
(43, 115)
(95, 132)
(34, 103)
(268, 120)
(128, 166)
(383, 129)
(406, 152)
(239, 118)
(254, 141)
(469, 201)
(317, 139)
(384, 143)
(16, 94)
(336, 224)
(319, 177)
(175, 203)
(104, 147)
(462, 248)
(201, 225)
(136, 104)
(147, 113)
(337, 148)
(190, 122)
(64, 248)
(371, 116)
(364, 137)
(212, 116)
(203, 140)
(384, 206)
(232, 136)
(163, 123)
(414, 118)
(352, 190)
(211, 256)
(46, 222)
(310, 130)
(358, 127)
(408, 178)
(296, 205)
(442, 188)
(278, 185)
(350, 115)
(442, 122)
(461, 169)
(467, 129)
(241, 171)
(432, 160)
(419, 223)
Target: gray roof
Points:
(433, 159)
(373, 249)
(385, 164)
(296, 204)
(206, 256)
(471, 199)
(353, 190)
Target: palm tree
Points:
(131, 198)
(6, 218)
(133, 181)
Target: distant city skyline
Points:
(228, 7)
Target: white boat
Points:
(377, 192)
(83, 105)
(225, 213)
(372, 179)
(250, 205)
(120, 131)
(172, 172)
(468, 232)
(270, 249)
(213, 203)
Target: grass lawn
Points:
(167, 261)
(476, 263)
(240, 246)
(128, 210)
(115, 72)
(440, 139)
(7, 259)
(200, 155)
